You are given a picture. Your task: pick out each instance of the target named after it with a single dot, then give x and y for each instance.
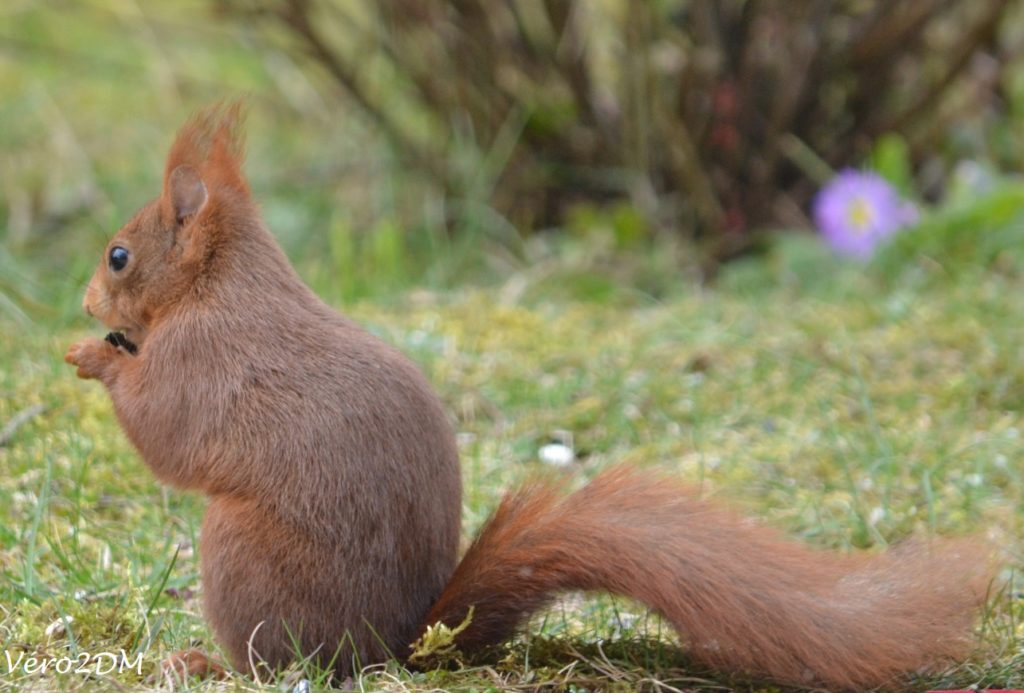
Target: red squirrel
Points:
(335, 493)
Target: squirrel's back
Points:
(332, 471)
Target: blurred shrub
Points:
(713, 118)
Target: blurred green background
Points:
(401, 143)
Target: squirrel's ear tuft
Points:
(186, 192)
(211, 144)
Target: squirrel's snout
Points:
(89, 299)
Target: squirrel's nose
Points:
(85, 307)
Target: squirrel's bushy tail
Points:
(742, 597)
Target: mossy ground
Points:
(850, 410)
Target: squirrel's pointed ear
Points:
(186, 192)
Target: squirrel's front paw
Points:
(94, 357)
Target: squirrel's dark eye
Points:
(118, 258)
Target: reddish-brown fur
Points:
(335, 490)
(743, 597)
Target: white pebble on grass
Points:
(556, 454)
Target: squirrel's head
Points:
(163, 251)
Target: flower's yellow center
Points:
(860, 214)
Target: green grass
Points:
(850, 406)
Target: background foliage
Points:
(383, 129)
(712, 118)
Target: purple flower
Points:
(859, 209)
